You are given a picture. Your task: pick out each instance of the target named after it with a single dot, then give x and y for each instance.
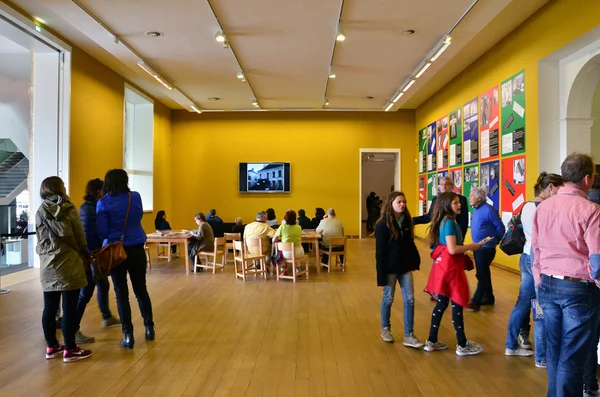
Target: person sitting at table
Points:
(328, 228)
(303, 220)
(259, 229)
(271, 217)
(319, 215)
(239, 226)
(212, 218)
(203, 239)
(162, 226)
(290, 232)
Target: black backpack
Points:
(513, 241)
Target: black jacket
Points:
(305, 222)
(394, 256)
(462, 219)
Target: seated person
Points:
(238, 227)
(212, 217)
(328, 228)
(203, 239)
(303, 220)
(162, 226)
(260, 229)
(290, 232)
(319, 214)
(271, 218)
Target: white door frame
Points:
(397, 177)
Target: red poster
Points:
(513, 191)
(443, 143)
(457, 178)
(422, 194)
(489, 125)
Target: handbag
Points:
(513, 241)
(113, 254)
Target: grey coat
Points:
(61, 267)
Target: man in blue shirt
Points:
(485, 223)
(212, 218)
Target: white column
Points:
(576, 136)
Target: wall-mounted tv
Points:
(264, 178)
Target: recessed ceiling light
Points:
(154, 34)
(408, 32)
(369, 98)
(214, 99)
(40, 20)
(220, 36)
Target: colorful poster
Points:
(471, 133)
(513, 115)
(489, 124)
(513, 187)
(471, 178)
(422, 150)
(443, 143)
(431, 148)
(432, 187)
(455, 155)
(457, 178)
(489, 174)
(422, 194)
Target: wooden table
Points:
(313, 238)
(173, 238)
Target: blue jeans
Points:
(408, 295)
(571, 317)
(590, 379)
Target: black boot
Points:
(150, 333)
(127, 341)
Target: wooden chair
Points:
(165, 252)
(336, 242)
(246, 264)
(229, 245)
(148, 262)
(295, 262)
(208, 264)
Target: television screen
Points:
(264, 177)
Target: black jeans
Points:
(86, 293)
(457, 320)
(135, 265)
(483, 260)
(69, 317)
(325, 258)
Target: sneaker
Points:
(519, 351)
(53, 352)
(540, 364)
(76, 354)
(524, 342)
(81, 338)
(412, 341)
(430, 346)
(590, 393)
(474, 307)
(111, 322)
(470, 349)
(386, 335)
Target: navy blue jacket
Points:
(594, 195)
(487, 223)
(87, 213)
(111, 210)
(162, 224)
(462, 219)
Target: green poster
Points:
(513, 115)
(471, 177)
(456, 128)
(422, 150)
(432, 187)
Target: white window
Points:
(138, 145)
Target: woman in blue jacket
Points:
(111, 217)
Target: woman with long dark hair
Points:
(161, 225)
(447, 278)
(396, 258)
(119, 215)
(60, 246)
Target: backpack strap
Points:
(126, 216)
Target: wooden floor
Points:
(217, 336)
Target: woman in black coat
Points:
(397, 257)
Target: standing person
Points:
(594, 193)
(119, 217)
(485, 223)
(447, 278)
(370, 204)
(87, 214)
(566, 265)
(517, 337)
(396, 258)
(60, 244)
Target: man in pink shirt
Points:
(566, 268)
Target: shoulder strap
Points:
(126, 215)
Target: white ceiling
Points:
(284, 46)
(10, 47)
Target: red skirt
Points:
(447, 276)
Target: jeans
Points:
(519, 317)
(408, 296)
(590, 378)
(483, 260)
(69, 317)
(135, 265)
(86, 293)
(571, 317)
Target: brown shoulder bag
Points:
(111, 255)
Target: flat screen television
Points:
(264, 177)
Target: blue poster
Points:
(431, 149)
(471, 133)
(489, 175)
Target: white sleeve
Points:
(527, 221)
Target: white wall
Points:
(15, 80)
(377, 177)
(596, 127)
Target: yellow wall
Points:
(552, 27)
(323, 149)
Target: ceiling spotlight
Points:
(220, 36)
(255, 103)
(154, 34)
(389, 106)
(341, 36)
(331, 73)
(240, 76)
(40, 20)
(225, 44)
(326, 102)
(195, 109)
(447, 41)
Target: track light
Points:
(225, 44)
(255, 103)
(154, 74)
(195, 109)
(220, 36)
(446, 43)
(341, 36)
(326, 102)
(240, 76)
(331, 72)
(397, 97)
(408, 85)
(389, 106)
(423, 69)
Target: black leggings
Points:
(69, 317)
(457, 320)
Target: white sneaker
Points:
(470, 349)
(412, 341)
(519, 351)
(525, 343)
(430, 346)
(386, 335)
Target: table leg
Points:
(317, 257)
(187, 259)
(169, 252)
